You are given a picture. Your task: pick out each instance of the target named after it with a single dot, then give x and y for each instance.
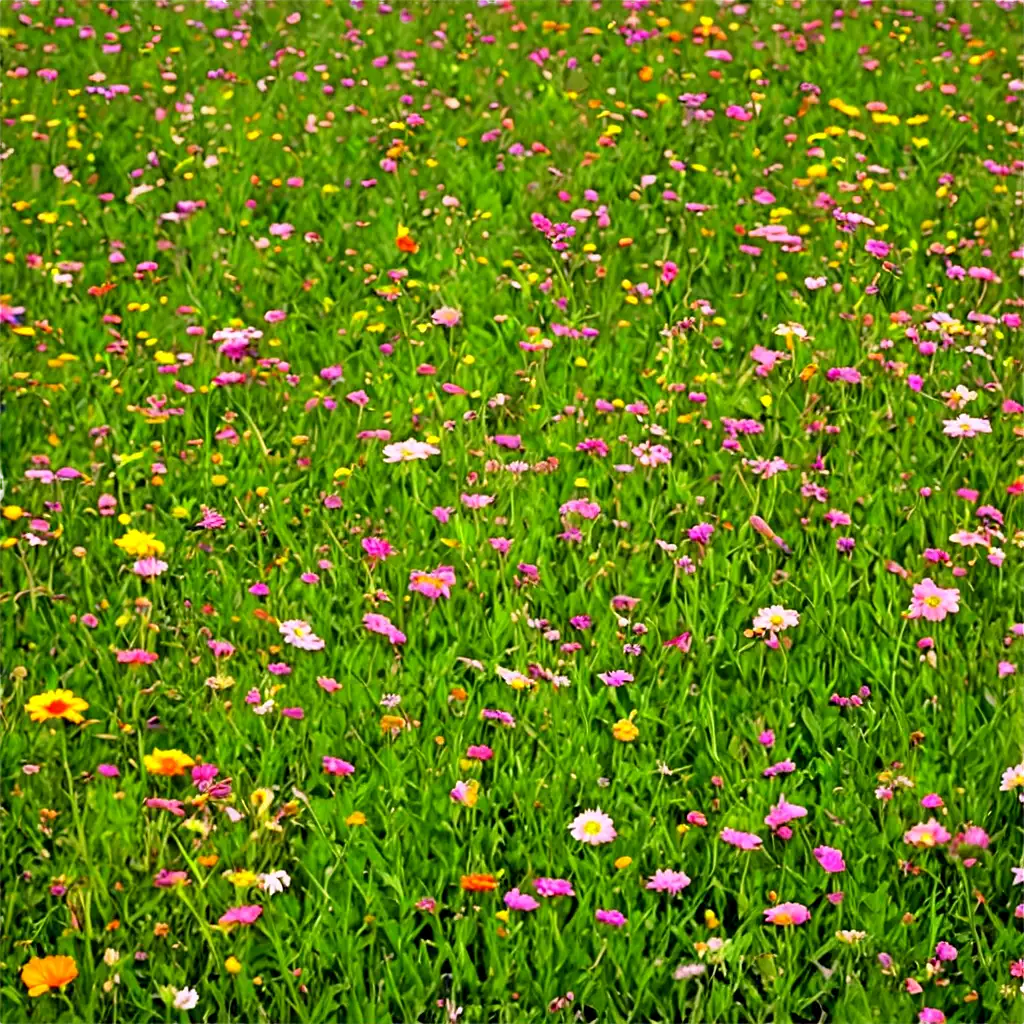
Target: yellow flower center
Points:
(776, 620)
(592, 828)
(934, 601)
(783, 918)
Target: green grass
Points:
(83, 388)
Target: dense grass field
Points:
(512, 511)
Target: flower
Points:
(185, 998)
(149, 568)
(274, 882)
(516, 900)
(167, 762)
(446, 317)
(1013, 778)
(56, 704)
(932, 602)
(775, 619)
(783, 813)
(300, 634)
(593, 827)
(409, 451)
(625, 730)
(966, 426)
(830, 859)
(615, 678)
(42, 974)
(786, 914)
(478, 883)
(668, 881)
(926, 835)
(240, 915)
(551, 887)
(742, 840)
(140, 544)
(433, 584)
(335, 766)
(466, 793)
(929, 1015)
(613, 917)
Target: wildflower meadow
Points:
(511, 511)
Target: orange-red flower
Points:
(479, 883)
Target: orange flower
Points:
(167, 762)
(405, 241)
(479, 883)
(40, 975)
(392, 724)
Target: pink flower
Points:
(783, 813)
(240, 915)
(830, 859)
(327, 683)
(516, 900)
(668, 881)
(966, 426)
(787, 914)
(300, 634)
(551, 887)
(742, 840)
(929, 1015)
(926, 835)
(433, 584)
(613, 917)
(932, 602)
(446, 317)
(946, 951)
(149, 568)
(480, 752)
(335, 766)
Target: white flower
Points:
(110, 957)
(185, 998)
(275, 882)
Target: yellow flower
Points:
(622, 863)
(56, 704)
(167, 762)
(711, 919)
(624, 730)
(232, 966)
(40, 975)
(13, 512)
(140, 544)
(356, 818)
(243, 879)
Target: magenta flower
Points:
(741, 840)
(673, 882)
(551, 887)
(614, 918)
(830, 859)
(335, 766)
(240, 915)
(516, 900)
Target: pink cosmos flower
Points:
(300, 634)
(926, 835)
(335, 766)
(240, 915)
(932, 602)
(481, 752)
(614, 918)
(830, 859)
(446, 317)
(615, 678)
(966, 426)
(787, 914)
(929, 1015)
